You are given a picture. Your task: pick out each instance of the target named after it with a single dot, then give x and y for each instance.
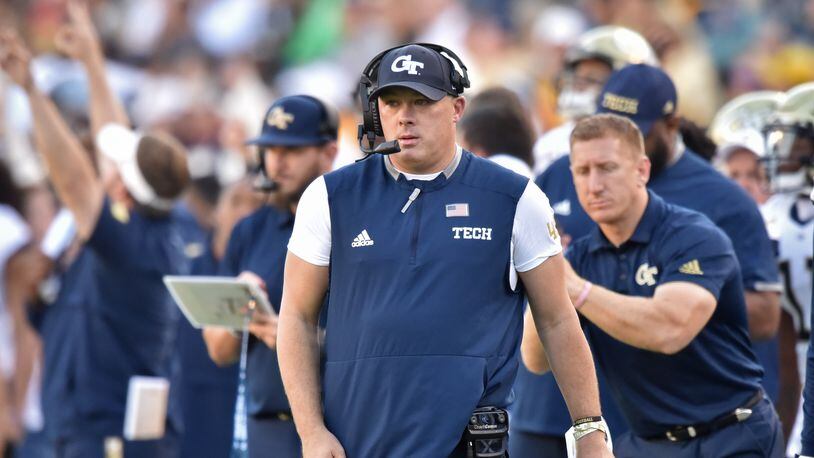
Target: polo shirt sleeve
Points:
(699, 254)
(534, 234)
(131, 243)
(311, 236)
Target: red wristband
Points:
(583, 295)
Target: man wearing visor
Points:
(123, 325)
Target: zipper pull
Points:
(410, 200)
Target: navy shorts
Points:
(273, 437)
(530, 445)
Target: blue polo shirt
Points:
(120, 320)
(691, 183)
(717, 371)
(259, 244)
(423, 326)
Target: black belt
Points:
(282, 416)
(685, 433)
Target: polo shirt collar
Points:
(448, 170)
(643, 233)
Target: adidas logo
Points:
(691, 268)
(362, 239)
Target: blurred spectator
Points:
(496, 126)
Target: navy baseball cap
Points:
(643, 93)
(296, 120)
(418, 68)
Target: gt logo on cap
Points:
(279, 118)
(406, 64)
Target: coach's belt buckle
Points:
(283, 416)
(690, 432)
(742, 414)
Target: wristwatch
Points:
(587, 425)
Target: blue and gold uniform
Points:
(113, 320)
(716, 373)
(687, 181)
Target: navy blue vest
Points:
(422, 324)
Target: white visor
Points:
(120, 145)
(746, 139)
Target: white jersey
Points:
(790, 223)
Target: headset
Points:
(326, 132)
(371, 128)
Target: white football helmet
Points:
(789, 155)
(615, 46)
(740, 122)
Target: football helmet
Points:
(789, 153)
(740, 122)
(612, 45)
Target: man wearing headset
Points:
(422, 249)
(297, 144)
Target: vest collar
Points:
(448, 170)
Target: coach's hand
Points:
(78, 39)
(593, 446)
(264, 327)
(15, 60)
(321, 444)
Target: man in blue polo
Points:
(120, 322)
(297, 144)
(423, 250)
(660, 288)
(647, 95)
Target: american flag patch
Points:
(454, 210)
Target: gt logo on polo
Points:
(646, 275)
(406, 64)
(472, 233)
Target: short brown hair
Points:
(497, 122)
(608, 125)
(163, 161)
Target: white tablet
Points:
(216, 301)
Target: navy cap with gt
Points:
(429, 69)
(297, 120)
(643, 93)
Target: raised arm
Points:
(70, 170)
(79, 40)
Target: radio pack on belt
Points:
(487, 433)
